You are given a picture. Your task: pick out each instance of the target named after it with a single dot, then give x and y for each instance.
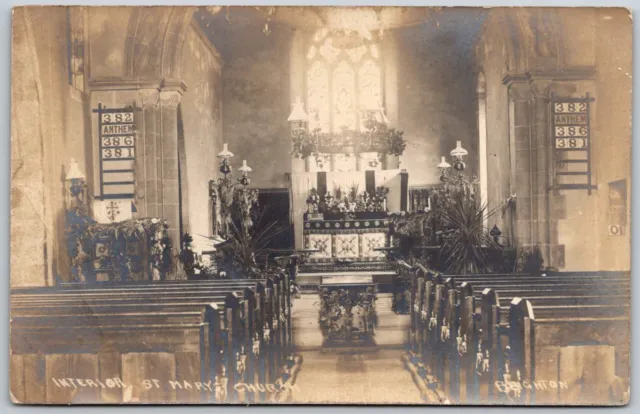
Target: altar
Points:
(345, 182)
(346, 237)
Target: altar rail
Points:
(519, 339)
(159, 342)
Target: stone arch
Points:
(155, 40)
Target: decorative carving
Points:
(445, 333)
(170, 99)
(149, 98)
(433, 322)
(266, 335)
(347, 245)
(461, 344)
(256, 345)
(241, 362)
(220, 385)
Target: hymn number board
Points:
(571, 141)
(117, 137)
(571, 128)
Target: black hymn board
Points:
(571, 143)
(117, 138)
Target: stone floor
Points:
(373, 375)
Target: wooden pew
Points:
(240, 309)
(476, 333)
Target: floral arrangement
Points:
(346, 314)
(350, 201)
(377, 137)
(127, 245)
(244, 199)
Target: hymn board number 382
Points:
(571, 141)
(117, 139)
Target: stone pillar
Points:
(541, 178)
(538, 209)
(146, 174)
(520, 122)
(167, 165)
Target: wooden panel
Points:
(34, 379)
(588, 372)
(110, 367)
(148, 374)
(75, 379)
(546, 370)
(16, 375)
(187, 374)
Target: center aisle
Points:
(373, 376)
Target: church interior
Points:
(320, 205)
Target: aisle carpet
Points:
(360, 376)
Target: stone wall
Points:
(255, 93)
(53, 123)
(526, 56)
(49, 127)
(436, 92)
(201, 113)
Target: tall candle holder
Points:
(230, 192)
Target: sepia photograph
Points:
(320, 205)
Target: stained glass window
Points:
(344, 94)
(343, 78)
(318, 97)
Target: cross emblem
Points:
(112, 210)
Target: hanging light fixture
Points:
(298, 114)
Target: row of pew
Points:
(211, 341)
(520, 339)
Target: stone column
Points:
(167, 165)
(541, 178)
(520, 130)
(146, 174)
(537, 208)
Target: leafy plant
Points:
(245, 247)
(466, 239)
(377, 137)
(83, 234)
